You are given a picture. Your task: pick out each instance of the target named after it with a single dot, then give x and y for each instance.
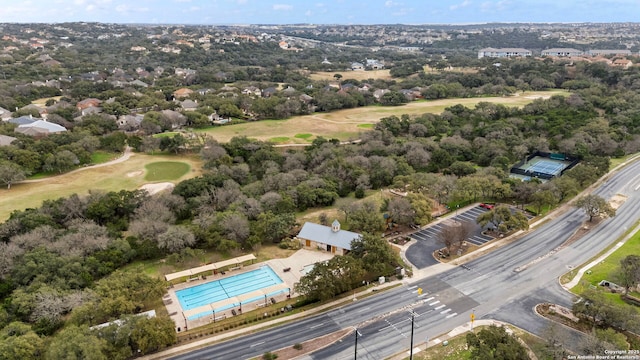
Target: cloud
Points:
(463, 4)
(283, 7)
(242, 2)
(308, 13)
(390, 3)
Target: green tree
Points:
(18, 341)
(542, 198)
(75, 343)
(10, 173)
(330, 278)
(495, 343)
(595, 206)
(503, 219)
(628, 274)
(376, 255)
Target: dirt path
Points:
(124, 157)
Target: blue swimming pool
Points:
(229, 287)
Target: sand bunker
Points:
(135, 173)
(157, 187)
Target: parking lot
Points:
(420, 254)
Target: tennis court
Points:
(539, 165)
(227, 293)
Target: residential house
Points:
(268, 92)
(622, 63)
(356, 66)
(331, 239)
(562, 52)
(252, 91)
(87, 103)
(503, 52)
(615, 52)
(22, 120)
(379, 93)
(182, 93)
(139, 83)
(129, 122)
(5, 114)
(189, 105)
(374, 64)
(39, 128)
(6, 140)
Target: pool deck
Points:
(295, 263)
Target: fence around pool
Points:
(218, 299)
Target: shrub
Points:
(297, 346)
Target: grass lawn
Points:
(303, 136)
(100, 157)
(279, 139)
(157, 268)
(127, 175)
(166, 170)
(347, 124)
(617, 161)
(605, 269)
(166, 134)
(355, 75)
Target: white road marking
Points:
(364, 309)
(412, 287)
(256, 344)
(316, 326)
(435, 302)
(445, 311)
(439, 307)
(451, 315)
(429, 299)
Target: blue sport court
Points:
(228, 288)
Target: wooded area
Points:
(60, 263)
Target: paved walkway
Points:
(576, 279)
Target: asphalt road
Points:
(503, 285)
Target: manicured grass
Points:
(100, 157)
(349, 123)
(114, 177)
(166, 170)
(356, 75)
(303, 136)
(279, 139)
(169, 134)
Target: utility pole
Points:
(355, 351)
(411, 349)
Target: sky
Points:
(218, 12)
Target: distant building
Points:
(562, 52)
(503, 53)
(330, 239)
(617, 52)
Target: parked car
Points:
(487, 206)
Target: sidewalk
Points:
(576, 279)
